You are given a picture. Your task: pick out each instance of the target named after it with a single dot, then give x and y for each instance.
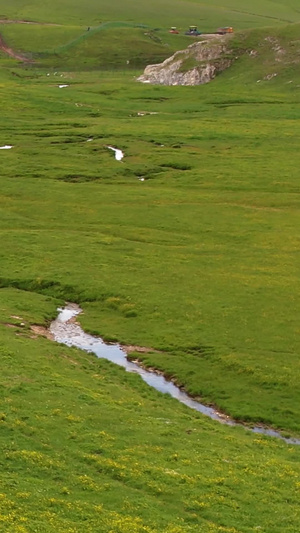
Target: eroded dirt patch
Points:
(9, 51)
(42, 332)
(138, 349)
(11, 21)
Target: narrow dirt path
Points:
(11, 21)
(10, 52)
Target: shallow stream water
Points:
(66, 330)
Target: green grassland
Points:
(80, 454)
(127, 35)
(200, 262)
(160, 247)
(112, 45)
(175, 12)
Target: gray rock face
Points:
(198, 64)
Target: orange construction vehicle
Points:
(223, 31)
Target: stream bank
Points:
(66, 330)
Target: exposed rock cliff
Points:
(198, 64)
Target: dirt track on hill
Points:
(10, 21)
(9, 51)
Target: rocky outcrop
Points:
(198, 64)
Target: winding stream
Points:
(66, 330)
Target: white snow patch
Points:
(63, 86)
(6, 147)
(118, 153)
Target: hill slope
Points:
(123, 34)
(209, 157)
(189, 246)
(87, 447)
(260, 55)
(176, 12)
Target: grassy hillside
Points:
(127, 35)
(71, 48)
(194, 251)
(176, 12)
(88, 447)
(198, 261)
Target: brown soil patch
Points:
(10, 52)
(41, 331)
(11, 21)
(130, 348)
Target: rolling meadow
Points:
(188, 246)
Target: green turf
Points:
(171, 13)
(198, 261)
(128, 36)
(202, 252)
(112, 45)
(82, 454)
(39, 38)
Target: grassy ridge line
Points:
(177, 12)
(283, 11)
(37, 38)
(130, 47)
(111, 45)
(93, 31)
(264, 16)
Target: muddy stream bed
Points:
(66, 330)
